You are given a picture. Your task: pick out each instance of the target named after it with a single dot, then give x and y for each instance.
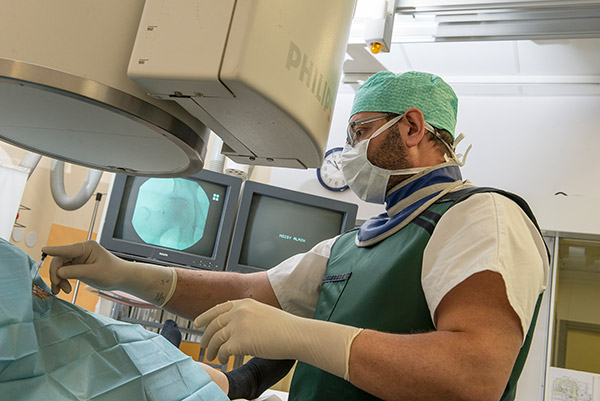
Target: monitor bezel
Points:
(170, 257)
(251, 188)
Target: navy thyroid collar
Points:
(402, 203)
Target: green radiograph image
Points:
(170, 212)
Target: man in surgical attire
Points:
(435, 299)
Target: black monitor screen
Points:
(275, 223)
(174, 213)
(174, 221)
(278, 229)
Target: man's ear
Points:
(414, 118)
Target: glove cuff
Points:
(326, 345)
(348, 347)
(172, 289)
(152, 283)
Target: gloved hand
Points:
(94, 265)
(248, 327)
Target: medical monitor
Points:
(274, 223)
(172, 221)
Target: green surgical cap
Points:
(395, 93)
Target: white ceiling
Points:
(545, 67)
(484, 67)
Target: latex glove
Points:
(94, 265)
(248, 327)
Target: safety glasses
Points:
(356, 130)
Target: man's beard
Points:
(392, 154)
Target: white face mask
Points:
(366, 180)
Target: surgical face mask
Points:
(367, 181)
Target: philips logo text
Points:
(315, 82)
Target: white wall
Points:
(43, 210)
(533, 145)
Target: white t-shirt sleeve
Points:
(297, 281)
(487, 231)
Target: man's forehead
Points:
(364, 114)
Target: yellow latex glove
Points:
(94, 265)
(248, 327)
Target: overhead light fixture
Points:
(460, 21)
(379, 23)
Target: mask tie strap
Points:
(460, 159)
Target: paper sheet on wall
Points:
(12, 186)
(51, 349)
(573, 385)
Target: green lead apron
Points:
(379, 288)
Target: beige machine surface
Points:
(132, 86)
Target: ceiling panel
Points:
(482, 89)
(564, 57)
(561, 90)
(473, 58)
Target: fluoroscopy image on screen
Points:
(170, 213)
(173, 213)
(278, 229)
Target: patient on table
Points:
(52, 349)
